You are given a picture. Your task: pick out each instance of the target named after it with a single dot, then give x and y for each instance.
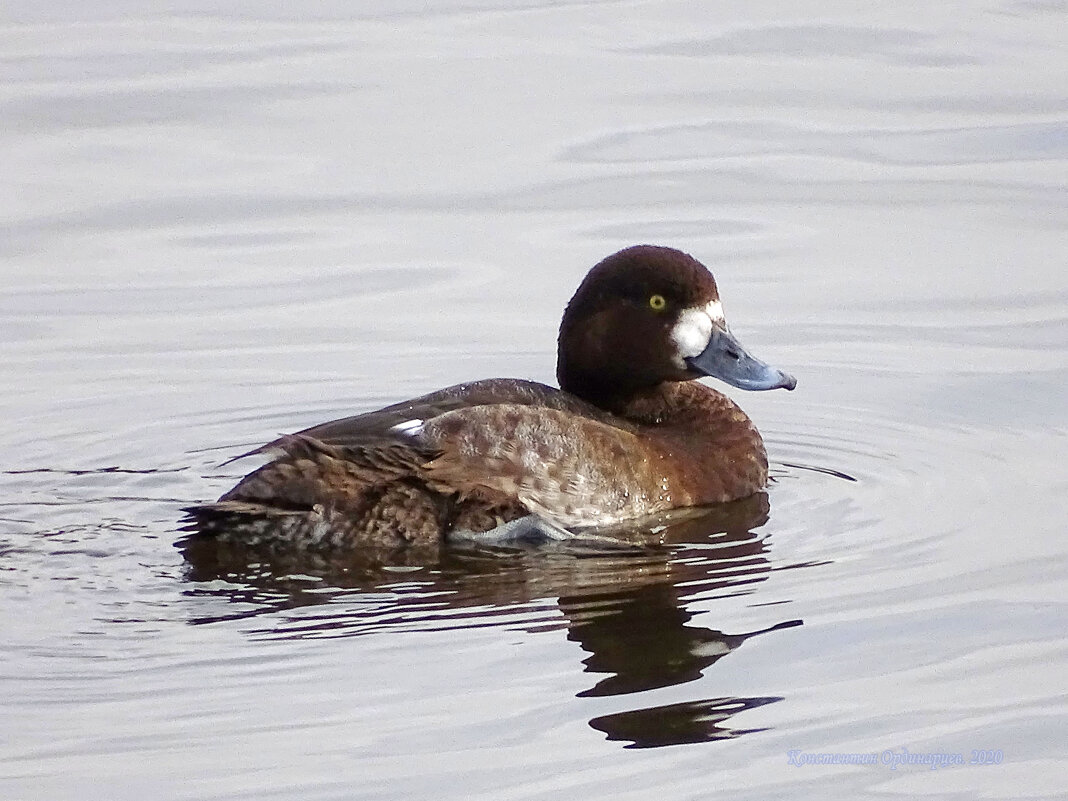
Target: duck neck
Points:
(667, 403)
(613, 396)
(686, 404)
(696, 426)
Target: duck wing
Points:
(571, 469)
(416, 470)
(378, 426)
(315, 494)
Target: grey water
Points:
(225, 221)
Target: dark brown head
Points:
(646, 315)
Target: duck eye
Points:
(657, 302)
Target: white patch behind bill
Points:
(693, 330)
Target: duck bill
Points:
(724, 358)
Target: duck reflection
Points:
(624, 602)
(645, 643)
(678, 724)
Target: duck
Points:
(629, 433)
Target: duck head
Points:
(646, 315)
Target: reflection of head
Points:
(637, 631)
(675, 724)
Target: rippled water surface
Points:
(225, 222)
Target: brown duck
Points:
(627, 435)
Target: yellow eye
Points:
(657, 302)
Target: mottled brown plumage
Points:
(627, 435)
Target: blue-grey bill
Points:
(724, 358)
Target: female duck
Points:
(628, 434)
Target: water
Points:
(222, 224)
